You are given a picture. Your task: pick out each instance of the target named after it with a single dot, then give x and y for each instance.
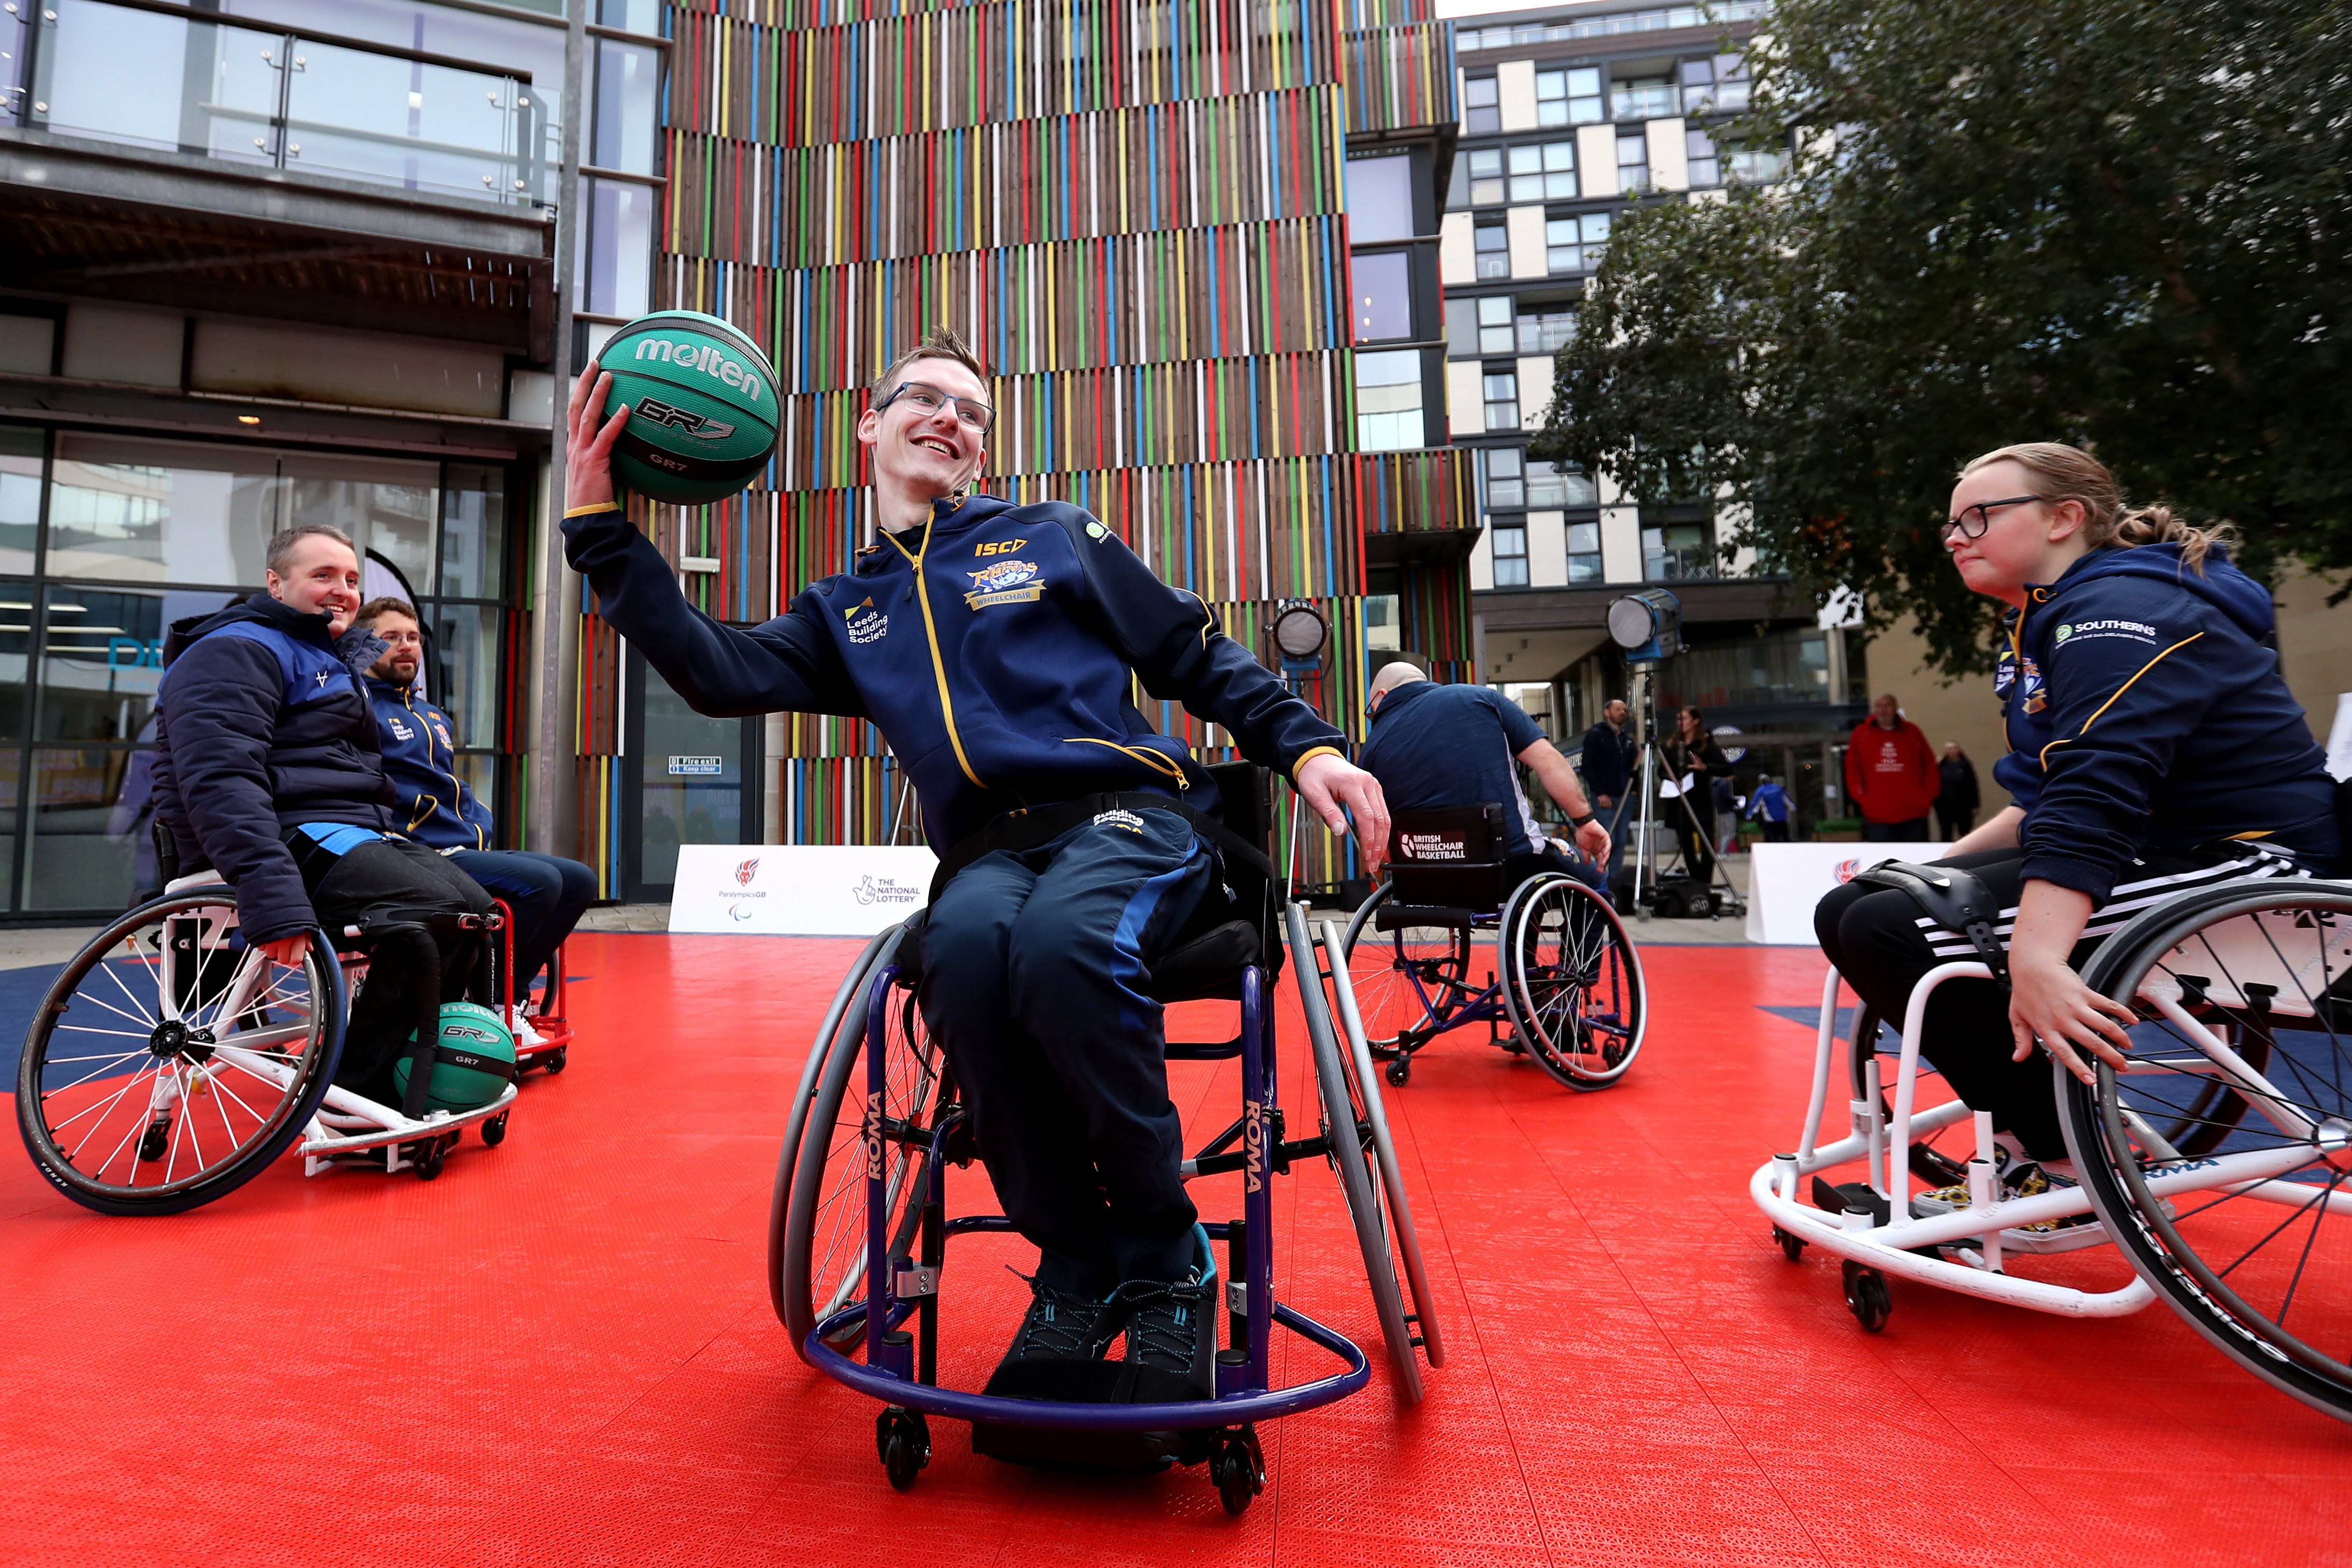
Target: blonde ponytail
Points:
(2062, 473)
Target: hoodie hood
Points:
(2240, 598)
(261, 607)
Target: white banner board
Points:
(1785, 881)
(798, 890)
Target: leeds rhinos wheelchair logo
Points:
(653, 411)
(1002, 583)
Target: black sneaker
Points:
(1058, 1352)
(1172, 1335)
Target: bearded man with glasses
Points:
(996, 646)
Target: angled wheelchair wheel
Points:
(1399, 976)
(1572, 981)
(824, 1239)
(170, 1064)
(1346, 1106)
(2248, 991)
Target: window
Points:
(1699, 148)
(1567, 97)
(1460, 328)
(1379, 197)
(1502, 392)
(1546, 331)
(1755, 164)
(1550, 485)
(1388, 400)
(1575, 244)
(1505, 489)
(1544, 173)
(1511, 552)
(1676, 550)
(1494, 325)
(1482, 110)
(1633, 163)
(1584, 552)
(1643, 97)
(1716, 85)
(1485, 185)
(1493, 250)
(1383, 284)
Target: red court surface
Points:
(561, 1351)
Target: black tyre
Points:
(1345, 1123)
(559, 1059)
(1792, 1247)
(2250, 986)
(1572, 982)
(823, 1264)
(1238, 1470)
(1403, 979)
(169, 1064)
(903, 1439)
(494, 1131)
(1867, 1297)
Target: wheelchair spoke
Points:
(148, 1023)
(141, 1015)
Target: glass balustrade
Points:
(249, 95)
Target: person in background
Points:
(1890, 771)
(1726, 815)
(1956, 798)
(440, 810)
(1608, 759)
(1770, 804)
(1694, 761)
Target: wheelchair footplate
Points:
(351, 1130)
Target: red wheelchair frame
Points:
(553, 1051)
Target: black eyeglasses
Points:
(1972, 522)
(975, 416)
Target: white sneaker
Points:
(525, 1037)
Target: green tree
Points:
(2119, 222)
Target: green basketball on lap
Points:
(702, 407)
(473, 1061)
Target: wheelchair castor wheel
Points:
(1792, 1247)
(494, 1131)
(1400, 1072)
(156, 1138)
(1867, 1297)
(430, 1157)
(1237, 1469)
(904, 1440)
(558, 1059)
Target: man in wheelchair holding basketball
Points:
(995, 646)
(267, 771)
(2154, 749)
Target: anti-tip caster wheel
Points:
(155, 1139)
(1238, 1470)
(494, 1131)
(1400, 1072)
(1792, 1247)
(1866, 1296)
(904, 1440)
(430, 1157)
(559, 1059)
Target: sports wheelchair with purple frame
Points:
(859, 1227)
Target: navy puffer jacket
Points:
(262, 724)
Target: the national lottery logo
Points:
(1003, 582)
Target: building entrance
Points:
(691, 779)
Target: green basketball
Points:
(702, 407)
(472, 1065)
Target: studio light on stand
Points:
(1648, 626)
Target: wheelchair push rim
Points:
(1573, 981)
(2253, 988)
(169, 1062)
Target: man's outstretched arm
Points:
(1559, 779)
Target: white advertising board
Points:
(1785, 881)
(798, 890)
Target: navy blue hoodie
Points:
(2143, 712)
(260, 726)
(993, 648)
(420, 755)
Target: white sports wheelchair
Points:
(2220, 1159)
(171, 1062)
(859, 1225)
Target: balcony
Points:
(153, 154)
(1416, 506)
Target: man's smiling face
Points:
(932, 451)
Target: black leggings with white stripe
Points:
(1883, 944)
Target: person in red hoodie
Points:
(1890, 772)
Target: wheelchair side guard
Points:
(1954, 898)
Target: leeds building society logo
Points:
(867, 624)
(1002, 583)
(1116, 818)
(653, 411)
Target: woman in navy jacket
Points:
(2152, 747)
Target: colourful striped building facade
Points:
(1134, 212)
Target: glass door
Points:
(688, 780)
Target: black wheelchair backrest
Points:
(1448, 856)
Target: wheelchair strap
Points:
(1026, 829)
(1953, 898)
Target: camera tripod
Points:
(1648, 898)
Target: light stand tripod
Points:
(1646, 893)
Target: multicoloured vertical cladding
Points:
(1132, 210)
